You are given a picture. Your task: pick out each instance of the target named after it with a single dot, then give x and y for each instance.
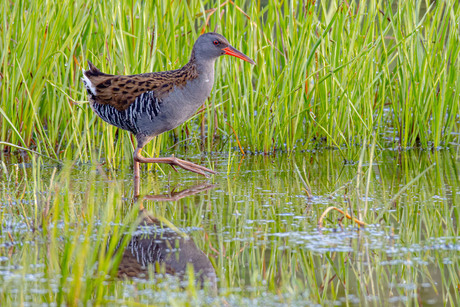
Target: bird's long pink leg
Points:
(136, 169)
(173, 161)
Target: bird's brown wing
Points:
(121, 91)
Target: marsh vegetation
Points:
(349, 106)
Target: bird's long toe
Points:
(197, 166)
(192, 167)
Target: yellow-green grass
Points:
(328, 73)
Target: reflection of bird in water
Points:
(155, 244)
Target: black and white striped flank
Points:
(145, 105)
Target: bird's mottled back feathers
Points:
(121, 91)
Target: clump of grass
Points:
(65, 238)
(327, 73)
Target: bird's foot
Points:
(189, 166)
(173, 161)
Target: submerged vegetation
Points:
(328, 73)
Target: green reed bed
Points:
(258, 227)
(327, 73)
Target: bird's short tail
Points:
(87, 74)
(93, 70)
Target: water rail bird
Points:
(149, 104)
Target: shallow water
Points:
(258, 226)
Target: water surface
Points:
(257, 224)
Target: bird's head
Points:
(212, 45)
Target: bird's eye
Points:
(216, 42)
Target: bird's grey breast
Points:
(184, 101)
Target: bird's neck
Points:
(204, 66)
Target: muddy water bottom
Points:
(256, 222)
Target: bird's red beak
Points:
(234, 52)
